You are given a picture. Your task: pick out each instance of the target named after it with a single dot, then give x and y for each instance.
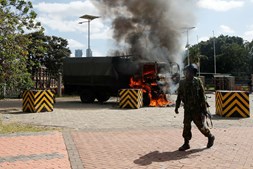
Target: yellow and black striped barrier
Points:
(130, 98)
(232, 103)
(38, 101)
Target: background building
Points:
(78, 53)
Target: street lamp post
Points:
(198, 53)
(89, 18)
(188, 45)
(214, 53)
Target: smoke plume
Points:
(148, 29)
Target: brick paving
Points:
(106, 137)
(153, 149)
(74, 156)
(41, 150)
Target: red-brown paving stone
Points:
(157, 148)
(39, 164)
(34, 150)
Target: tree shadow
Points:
(157, 156)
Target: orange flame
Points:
(156, 100)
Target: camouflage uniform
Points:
(191, 93)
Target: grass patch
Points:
(16, 128)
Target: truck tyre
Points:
(103, 97)
(87, 97)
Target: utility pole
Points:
(198, 53)
(214, 53)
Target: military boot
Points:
(185, 146)
(210, 142)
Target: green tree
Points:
(249, 51)
(15, 17)
(37, 50)
(231, 55)
(233, 59)
(56, 52)
(48, 51)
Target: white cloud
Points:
(248, 35)
(96, 53)
(75, 44)
(220, 5)
(64, 17)
(61, 19)
(226, 29)
(250, 26)
(204, 38)
(66, 10)
(59, 25)
(106, 34)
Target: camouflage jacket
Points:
(192, 94)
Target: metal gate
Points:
(42, 80)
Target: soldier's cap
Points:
(192, 67)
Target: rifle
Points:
(208, 115)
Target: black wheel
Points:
(87, 97)
(103, 97)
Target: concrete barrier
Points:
(38, 101)
(130, 98)
(232, 103)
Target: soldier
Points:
(191, 93)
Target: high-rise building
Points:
(78, 53)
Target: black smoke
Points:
(148, 29)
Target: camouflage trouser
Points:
(199, 121)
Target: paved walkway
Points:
(43, 150)
(71, 113)
(105, 137)
(157, 149)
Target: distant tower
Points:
(78, 53)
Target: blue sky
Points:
(61, 17)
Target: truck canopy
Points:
(98, 71)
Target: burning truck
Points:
(99, 78)
(151, 32)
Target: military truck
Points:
(99, 78)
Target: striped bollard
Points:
(35, 101)
(130, 98)
(232, 103)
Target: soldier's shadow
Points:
(157, 156)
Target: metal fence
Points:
(9, 92)
(42, 80)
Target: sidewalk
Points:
(128, 149)
(157, 149)
(105, 137)
(42, 150)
